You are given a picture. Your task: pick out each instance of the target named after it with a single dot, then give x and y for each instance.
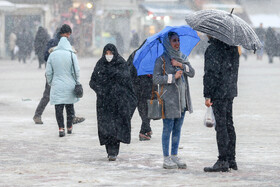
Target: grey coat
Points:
(171, 94)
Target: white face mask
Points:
(109, 57)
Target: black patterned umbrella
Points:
(224, 26)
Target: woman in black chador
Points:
(115, 100)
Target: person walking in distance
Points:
(64, 31)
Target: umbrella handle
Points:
(231, 10)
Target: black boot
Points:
(232, 164)
(220, 165)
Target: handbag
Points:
(156, 106)
(78, 90)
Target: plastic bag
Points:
(209, 119)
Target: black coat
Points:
(41, 40)
(271, 43)
(220, 70)
(23, 41)
(115, 98)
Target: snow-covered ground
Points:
(34, 155)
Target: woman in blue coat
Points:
(61, 78)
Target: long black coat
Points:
(115, 98)
(40, 43)
(220, 70)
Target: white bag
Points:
(209, 119)
(16, 49)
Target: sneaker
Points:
(112, 157)
(220, 165)
(150, 134)
(143, 137)
(78, 120)
(61, 132)
(37, 120)
(168, 163)
(232, 164)
(179, 162)
(69, 130)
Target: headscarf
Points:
(113, 49)
(173, 54)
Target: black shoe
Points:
(69, 130)
(218, 166)
(61, 132)
(78, 120)
(232, 164)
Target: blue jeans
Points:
(174, 126)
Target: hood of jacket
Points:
(64, 44)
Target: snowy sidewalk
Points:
(34, 155)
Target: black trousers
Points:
(113, 148)
(41, 60)
(225, 132)
(59, 114)
(44, 101)
(142, 107)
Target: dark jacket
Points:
(23, 43)
(115, 98)
(52, 43)
(41, 40)
(271, 43)
(220, 70)
(142, 84)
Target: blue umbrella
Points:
(145, 57)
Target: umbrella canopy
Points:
(145, 57)
(224, 26)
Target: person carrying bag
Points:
(171, 72)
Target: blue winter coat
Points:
(60, 74)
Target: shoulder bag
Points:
(78, 90)
(156, 106)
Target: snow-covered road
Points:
(34, 155)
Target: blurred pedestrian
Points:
(271, 44)
(115, 100)
(143, 89)
(260, 31)
(64, 31)
(22, 43)
(119, 43)
(59, 74)
(171, 71)
(220, 87)
(12, 44)
(134, 42)
(41, 39)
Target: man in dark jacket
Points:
(220, 88)
(142, 86)
(64, 31)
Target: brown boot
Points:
(37, 120)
